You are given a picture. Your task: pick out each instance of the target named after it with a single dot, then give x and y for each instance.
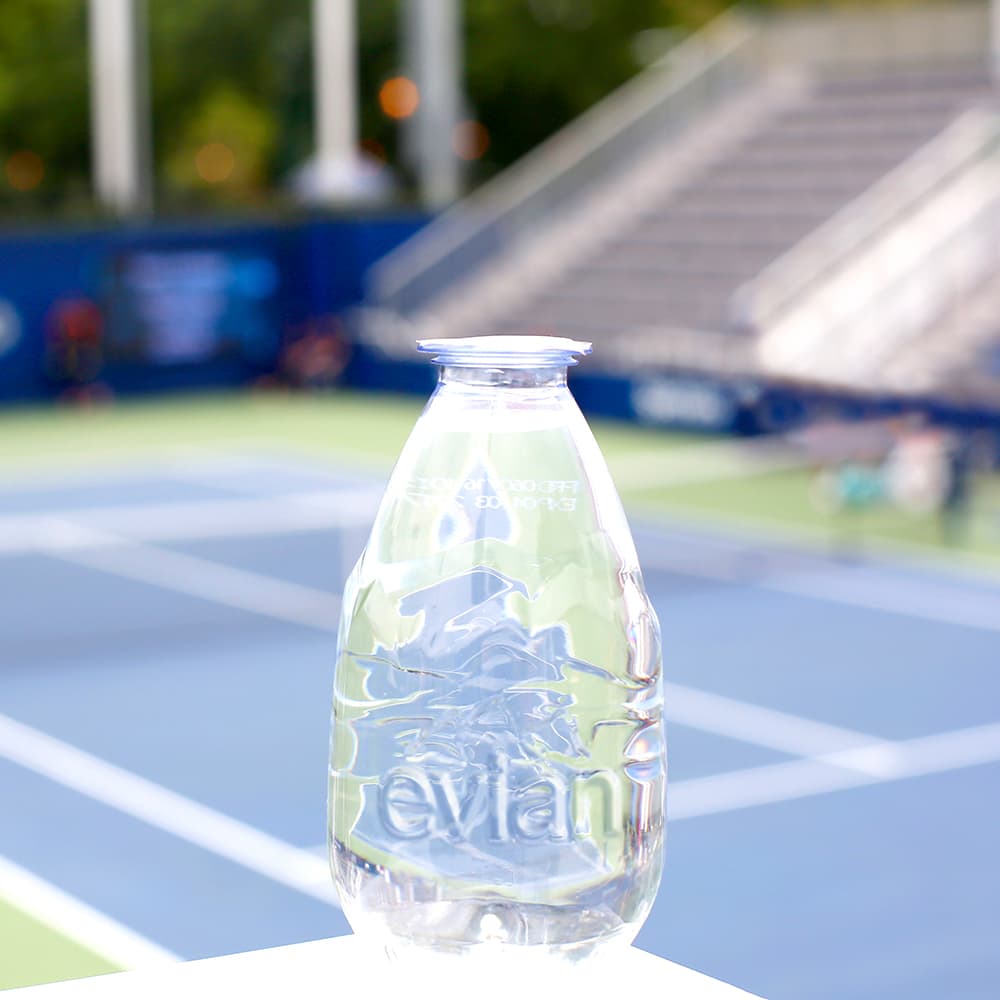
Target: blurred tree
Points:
(44, 120)
(533, 65)
(220, 77)
(224, 145)
(238, 76)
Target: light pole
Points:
(119, 106)
(338, 172)
(433, 46)
(995, 42)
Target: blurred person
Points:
(74, 350)
(847, 491)
(315, 355)
(849, 478)
(916, 469)
(956, 503)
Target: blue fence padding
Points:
(693, 401)
(276, 278)
(319, 267)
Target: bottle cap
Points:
(519, 351)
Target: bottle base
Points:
(499, 928)
(495, 971)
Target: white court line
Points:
(306, 872)
(166, 810)
(929, 602)
(216, 470)
(888, 761)
(839, 585)
(57, 472)
(197, 577)
(765, 727)
(316, 510)
(300, 605)
(845, 766)
(88, 927)
(54, 472)
(326, 509)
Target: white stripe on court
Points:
(885, 762)
(765, 727)
(301, 605)
(58, 472)
(166, 810)
(316, 510)
(306, 872)
(196, 577)
(929, 601)
(866, 587)
(217, 470)
(104, 527)
(50, 471)
(315, 608)
(73, 919)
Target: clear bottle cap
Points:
(519, 351)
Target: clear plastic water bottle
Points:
(497, 765)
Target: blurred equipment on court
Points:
(907, 465)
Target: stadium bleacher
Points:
(685, 258)
(651, 255)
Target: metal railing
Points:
(761, 302)
(886, 38)
(702, 70)
(866, 38)
(926, 246)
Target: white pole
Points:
(119, 106)
(995, 42)
(335, 83)
(433, 47)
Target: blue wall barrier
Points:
(695, 401)
(161, 306)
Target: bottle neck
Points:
(503, 378)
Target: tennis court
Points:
(165, 677)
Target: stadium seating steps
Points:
(678, 264)
(688, 254)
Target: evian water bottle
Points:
(497, 763)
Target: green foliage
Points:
(225, 145)
(533, 65)
(43, 97)
(228, 73)
(241, 73)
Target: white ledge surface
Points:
(345, 968)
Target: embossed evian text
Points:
(508, 801)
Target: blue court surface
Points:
(165, 678)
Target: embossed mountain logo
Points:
(486, 750)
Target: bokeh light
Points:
(470, 140)
(399, 97)
(24, 170)
(215, 162)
